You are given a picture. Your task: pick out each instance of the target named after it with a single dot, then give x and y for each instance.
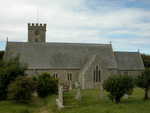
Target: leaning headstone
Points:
(59, 100)
(78, 94)
(101, 91)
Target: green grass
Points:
(37, 105)
(10, 107)
(90, 103)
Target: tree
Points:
(46, 85)
(146, 60)
(21, 89)
(143, 81)
(1, 54)
(118, 86)
(9, 71)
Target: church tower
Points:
(36, 32)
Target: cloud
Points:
(82, 21)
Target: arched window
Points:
(55, 75)
(97, 74)
(69, 76)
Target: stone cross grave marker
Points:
(78, 94)
(59, 100)
(101, 90)
(70, 85)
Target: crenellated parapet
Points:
(33, 26)
(36, 32)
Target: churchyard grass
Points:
(89, 103)
(37, 105)
(92, 103)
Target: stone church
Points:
(89, 64)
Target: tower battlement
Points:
(33, 26)
(36, 32)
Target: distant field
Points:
(90, 103)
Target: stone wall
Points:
(36, 32)
(61, 74)
(130, 72)
(86, 74)
(59, 100)
(85, 78)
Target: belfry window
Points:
(97, 74)
(69, 76)
(55, 75)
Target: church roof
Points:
(129, 61)
(60, 55)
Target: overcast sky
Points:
(126, 23)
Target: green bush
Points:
(143, 81)
(21, 89)
(146, 60)
(118, 86)
(9, 71)
(46, 85)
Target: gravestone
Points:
(126, 96)
(78, 88)
(101, 90)
(70, 85)
(59, 100)
(149, 93)
(35, 94)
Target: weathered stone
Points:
(70, 85)
(36, 32)
(78, 93)
(149, 93)
(101, 91)
(35, 94)
(59, 100)
(126, 96)
(76, 84)
(76, 58)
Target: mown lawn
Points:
(90, 103)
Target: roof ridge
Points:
(66, 43)
(126, 52)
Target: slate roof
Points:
(60, 55)
(129, 61)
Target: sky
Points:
(124, 23)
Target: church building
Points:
(89, 64)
